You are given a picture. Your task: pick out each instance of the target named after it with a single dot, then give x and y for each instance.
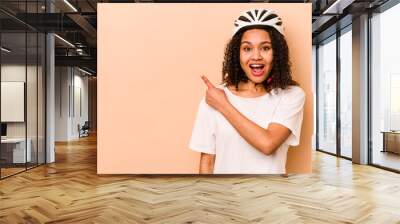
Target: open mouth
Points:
(257, 69)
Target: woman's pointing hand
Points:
(215, 97)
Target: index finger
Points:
(207, 82)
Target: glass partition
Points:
(41, 85)
(327, 95)
(385, 89)
(32, 95)
(346, 93)
(22, 77)
(13, 110)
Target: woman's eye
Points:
(246, 49)
(266, 48)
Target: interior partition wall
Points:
(22, 88)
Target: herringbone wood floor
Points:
(69, 191)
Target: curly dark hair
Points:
(232, 72)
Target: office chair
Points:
(84, 130)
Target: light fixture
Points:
(64, 40)
(70, 5)
(84, 71)
(5, 50)
(80, 51)
(337, 7)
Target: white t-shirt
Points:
(213, 134)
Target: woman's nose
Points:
(256, 54)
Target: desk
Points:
(391, 141)
(15, 148)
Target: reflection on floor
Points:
(10, 169)
(386, 159)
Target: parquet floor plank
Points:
(70, 191)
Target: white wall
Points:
(62, 81)
(81, 103)
(71, 102)
(16, 73)
(12, 101)
(33, 127)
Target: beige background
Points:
(150, 58)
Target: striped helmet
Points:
(258, 17)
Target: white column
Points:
(50, 99)
(360, 90)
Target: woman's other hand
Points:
(206, 163)
(215, 97)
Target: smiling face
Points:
(256, 54)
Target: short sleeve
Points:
(203, 134)
(289, 113)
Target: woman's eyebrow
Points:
(248, 42)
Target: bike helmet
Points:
(258, 17)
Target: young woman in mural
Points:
(246, 124)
